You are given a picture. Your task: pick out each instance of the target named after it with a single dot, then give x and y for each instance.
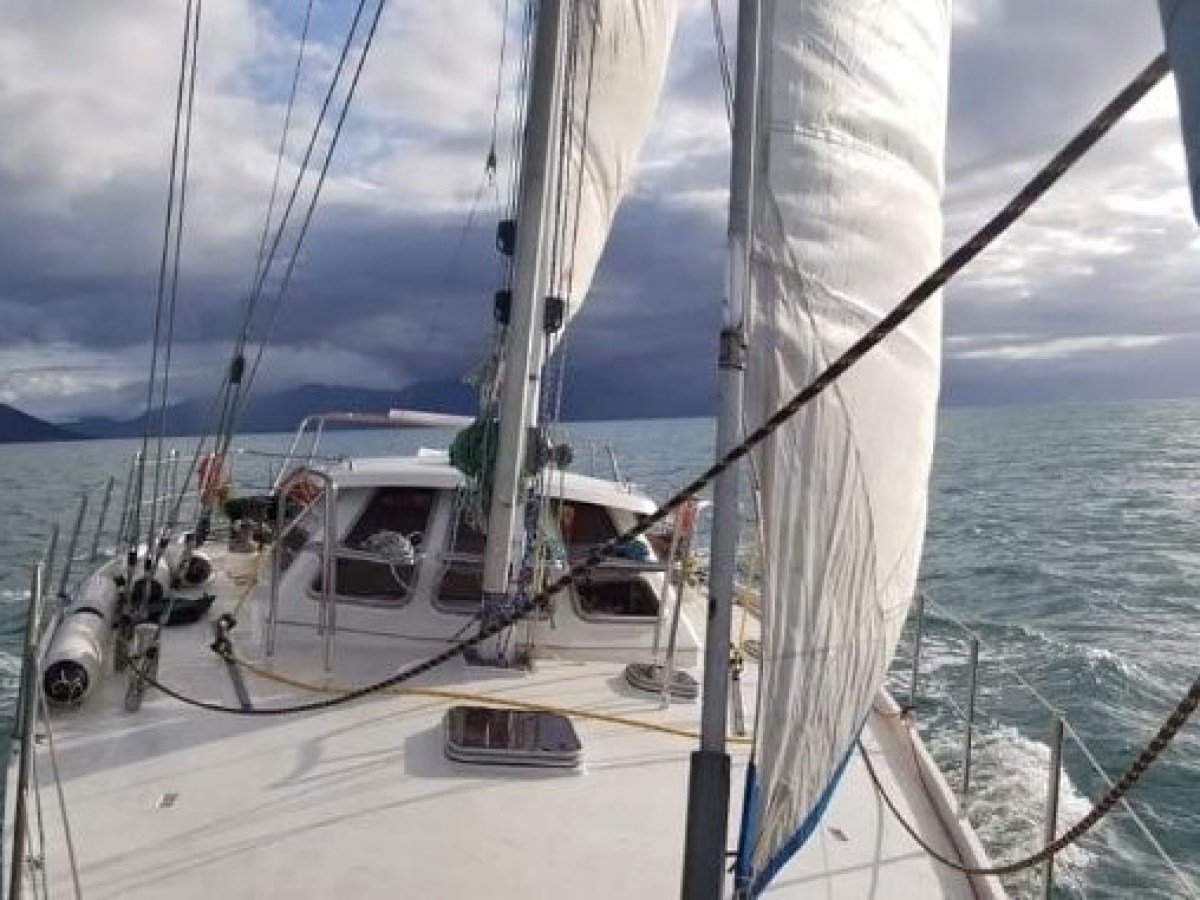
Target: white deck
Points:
(360, 801)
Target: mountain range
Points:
(584, 399)
(19, 427)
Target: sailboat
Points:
(411, 677)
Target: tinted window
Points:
(378, 558)
(461, 589)
(583, 526)
(617, 597)
(400, 509)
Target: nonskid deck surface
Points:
(361, 801)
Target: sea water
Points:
(1067, 537)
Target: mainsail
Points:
(607, 83)
(621, 55)
(846, 221)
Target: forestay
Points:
(846, 221)
(621, 61)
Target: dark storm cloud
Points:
(383, 296)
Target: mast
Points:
(708, 778)
(523, 347)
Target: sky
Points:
(1090, 297)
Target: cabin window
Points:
(584, 526)
(377, 562)
(616, 598)
(461, 588)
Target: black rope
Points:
(1152, 751)
(999, 223)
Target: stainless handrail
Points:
(1050, 823)
(326, 621)
(72, 542)
(100, 520)
(24, 726)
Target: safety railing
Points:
(906, 680)
(327, 610)
(597, 451)
(307, 440)
(33, 736)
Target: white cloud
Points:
(1017, 348)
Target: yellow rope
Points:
(471, 697)
(248, 583)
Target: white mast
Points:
(525, 339)
(708, 781)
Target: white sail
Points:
(618, 76)
(846, 221)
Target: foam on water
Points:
(1008, 799)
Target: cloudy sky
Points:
(1092, 296)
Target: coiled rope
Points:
(1174, 722)
(997, 225)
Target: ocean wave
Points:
(1008, 799)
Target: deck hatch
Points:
(512, 737)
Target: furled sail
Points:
(614, 84)
(1181, 24)
(846, 221)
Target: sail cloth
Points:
(620, 62)
(1181, 25)
(846, 221)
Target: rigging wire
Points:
(68, 834)
(224, 395)
(555, 411)
(233, 391)
(1033, 190)
(172, 301)
(191, 24)
(283, 139)
(258, 287)
(488, 176)
(722, 58)
(234, 403)
(312, 204)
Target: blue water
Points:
(1068, 537)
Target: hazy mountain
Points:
(283, 410)
(16, 426)
(587, 396)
